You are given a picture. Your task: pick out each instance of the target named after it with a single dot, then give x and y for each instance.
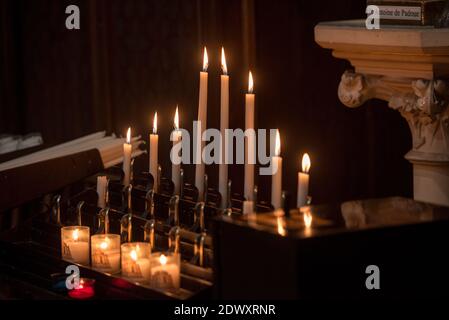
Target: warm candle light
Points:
(155, 123)
(205, 60)
(133, 255)
(163, 260)
(75, 235)
(176, 119)
(276, 179)
(307, 219)
(277, 149)
(306, 163)
(128, 136)
(104, 245)
(303, 181)
(224, 67)
(250, 83)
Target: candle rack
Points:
(168, 222)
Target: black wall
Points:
(133, 57)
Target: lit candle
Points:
(75, 244)
(303, 181)
(127, 151)
(106, 253)
(85, 290)
(165, 271)
(136, 261)
(154, 141)
(200, 169)
(224, 124)
(276, 182)
(176, 167)
(250, 143)
(102, 185)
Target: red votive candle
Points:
(84, 291)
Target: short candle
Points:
(136, 261)
(106, 253)
(166, 271)
(75, 244)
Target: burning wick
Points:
(75, 235)
(163, 260)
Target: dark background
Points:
(135, 56)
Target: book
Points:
(409, 12)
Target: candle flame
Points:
(155, 123)
(128, 135)
(306, 163)
(223, 62)
(205, 60)
(307, 219)
(133, 255)
(75, 235)
(250, 83)
(104, 245)
(176, 121)
(277, 150)
(163, 260)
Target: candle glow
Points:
(250, 83)
(277, 150)
(306, 163)
(133, 255)
(128, 136)
(75, 235)
(163, 260)
(307, 219)
(205, 60)
(223, 62)
(155, 123)
(176, 119)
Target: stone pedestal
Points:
(409, 68)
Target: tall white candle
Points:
(250, 141)
(200, 169)
(176, 167)
(154, 141)
(127, 151)
(224, 124)
(102, 184)
(276, 182)
(303, 181)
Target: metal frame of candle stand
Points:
(149, 213)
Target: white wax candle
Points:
(154, 142)
(165, 272)
(79, 251)
(176, 168)
(276, 182)
(303, 181)
(200, 169)
(75, 244)
(250, 142)
(127, 151)
(224, 124)
(102, 183)
(137, 270)
(106, 253)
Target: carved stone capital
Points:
(423, 103)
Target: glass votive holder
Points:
(165, 271)
(85, 290)
(75, 244)
(105, 253)
(136, 261)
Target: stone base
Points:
(431, 183)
